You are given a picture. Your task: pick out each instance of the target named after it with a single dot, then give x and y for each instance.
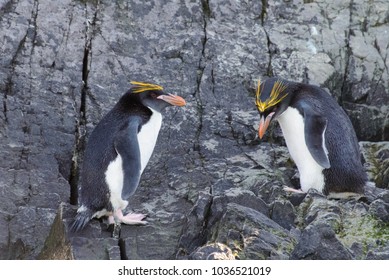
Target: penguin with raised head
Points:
(118, 151)
(318, 133)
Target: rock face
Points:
(212, 190)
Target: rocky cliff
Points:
(212, 190)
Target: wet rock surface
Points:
(212, 190)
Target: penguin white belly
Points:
(311, 173)
(147, 137)
(114, 177)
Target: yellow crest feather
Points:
(274, 98)
(141, 87)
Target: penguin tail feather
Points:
(81, 220)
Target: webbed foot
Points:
(129, 219)
(292, 190)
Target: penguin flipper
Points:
(127, 146)
(314, 130)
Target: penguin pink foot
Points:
(115, 221)
(129, 219)
(292, 190)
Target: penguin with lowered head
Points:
(318, 133)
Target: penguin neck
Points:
(292, 126)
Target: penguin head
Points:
(153, 96)
(272, 99)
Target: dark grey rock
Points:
(382, 254)
(153, 241)
(384, 195)
(27, 227)
(92, 243)
(380, 210)
(372, 193)
(283, 213)
(349, 226)
(240, 197)
(215, 251)
(195, 229)
(319, 242)
(296, 198)
(207, 213)
(95, 249)
(251, 234)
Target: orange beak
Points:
(172, 99)
(264, 124)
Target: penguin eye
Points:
(153, 95)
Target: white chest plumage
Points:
(147, 137)
(114, 177)
(292, 125)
